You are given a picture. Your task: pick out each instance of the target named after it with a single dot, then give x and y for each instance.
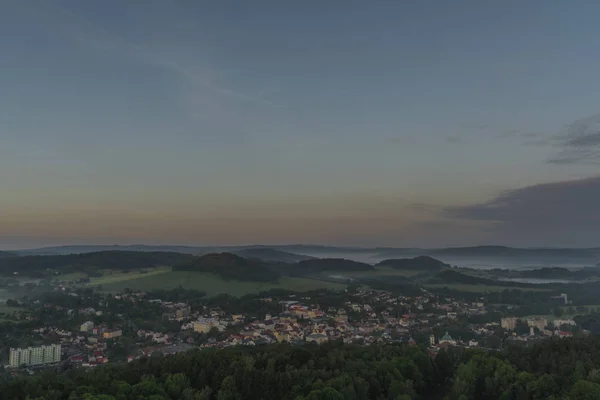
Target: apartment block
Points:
(35, 355)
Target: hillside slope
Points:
(231, 267)
(423, 263)
(318, 265)
(271, 255)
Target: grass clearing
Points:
(480, 288)
(72, 276)
(212, 284)
(111, 277)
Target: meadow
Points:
(211, 284)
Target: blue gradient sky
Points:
(341, 122)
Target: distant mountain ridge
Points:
(7, 254)
(539, 256)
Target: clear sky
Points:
(391, 123)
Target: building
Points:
(87, 326)
(112, 334)
(539, 323)
(317, 338)
(35, 355)
(559, 322)
(509, 323)
(204, 325)
(562, 298)
(447, 340)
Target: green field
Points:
(211, 284)
(73, 276)
(480, 288)
(110, 277)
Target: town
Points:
(81, 328)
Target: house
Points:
(204, 325)
(77, 359)
(111, 334)
(86, 326)
(317, 338)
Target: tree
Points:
(228, 390)
(558, 312)
(585, 390)
(175, 384)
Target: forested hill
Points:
(330, 264)
(556, 369)
(230, 266)
(38, 266)
(271, 255)
(451, 276)
(422, 263)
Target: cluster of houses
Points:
(367, 317)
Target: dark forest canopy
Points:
(37, 266)
(331, 264)
(230, 266)
(555, 369)
(423, 263)
(271, 255)
(451, 276)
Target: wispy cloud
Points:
(94, 35)
(580, 143)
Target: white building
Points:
(87, 326)
(35, 355)
(539, 323)
(559, 322)
(509, 323)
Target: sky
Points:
(380, 123)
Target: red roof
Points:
(77, 358)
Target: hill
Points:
(450, 276)
(37, 266)
(423, 263)
(329, 264)
(6, 254)
(230, 267)
(271, 255)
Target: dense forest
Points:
(271, 255)
(38, 266)
(561, 369)
(317, 265)
(422, 263)
(230, 267)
